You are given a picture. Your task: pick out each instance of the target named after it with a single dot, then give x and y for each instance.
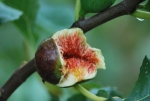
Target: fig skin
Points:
(48, 62)
(94, 6)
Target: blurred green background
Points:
(124, 42)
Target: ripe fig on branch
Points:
(66, 58)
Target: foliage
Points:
(147, 7)
(27, 20)
(123, 46)
(8, 13)
(141, 91)
(26, 23)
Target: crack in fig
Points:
(75, 46)
(79, 57)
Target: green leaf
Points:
(8, 13)
(77, 97)
(141, 90)
(147, 6)
(27, 21)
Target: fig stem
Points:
(29, 50)
(141, 14)
(88, 94)
(77, 10)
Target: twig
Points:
(21, 74)
(18, 77)
(123, 8)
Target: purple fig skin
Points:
(47, 61)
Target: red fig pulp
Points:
(66, 59)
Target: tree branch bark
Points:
(20, 75)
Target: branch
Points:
(21, 74)
(123, 8)
(18, 77)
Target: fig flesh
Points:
(66, 58)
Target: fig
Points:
(66, 58)
(94, 6)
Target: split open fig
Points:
(66, 58)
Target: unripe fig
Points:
(94, 6)
(66, 58)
